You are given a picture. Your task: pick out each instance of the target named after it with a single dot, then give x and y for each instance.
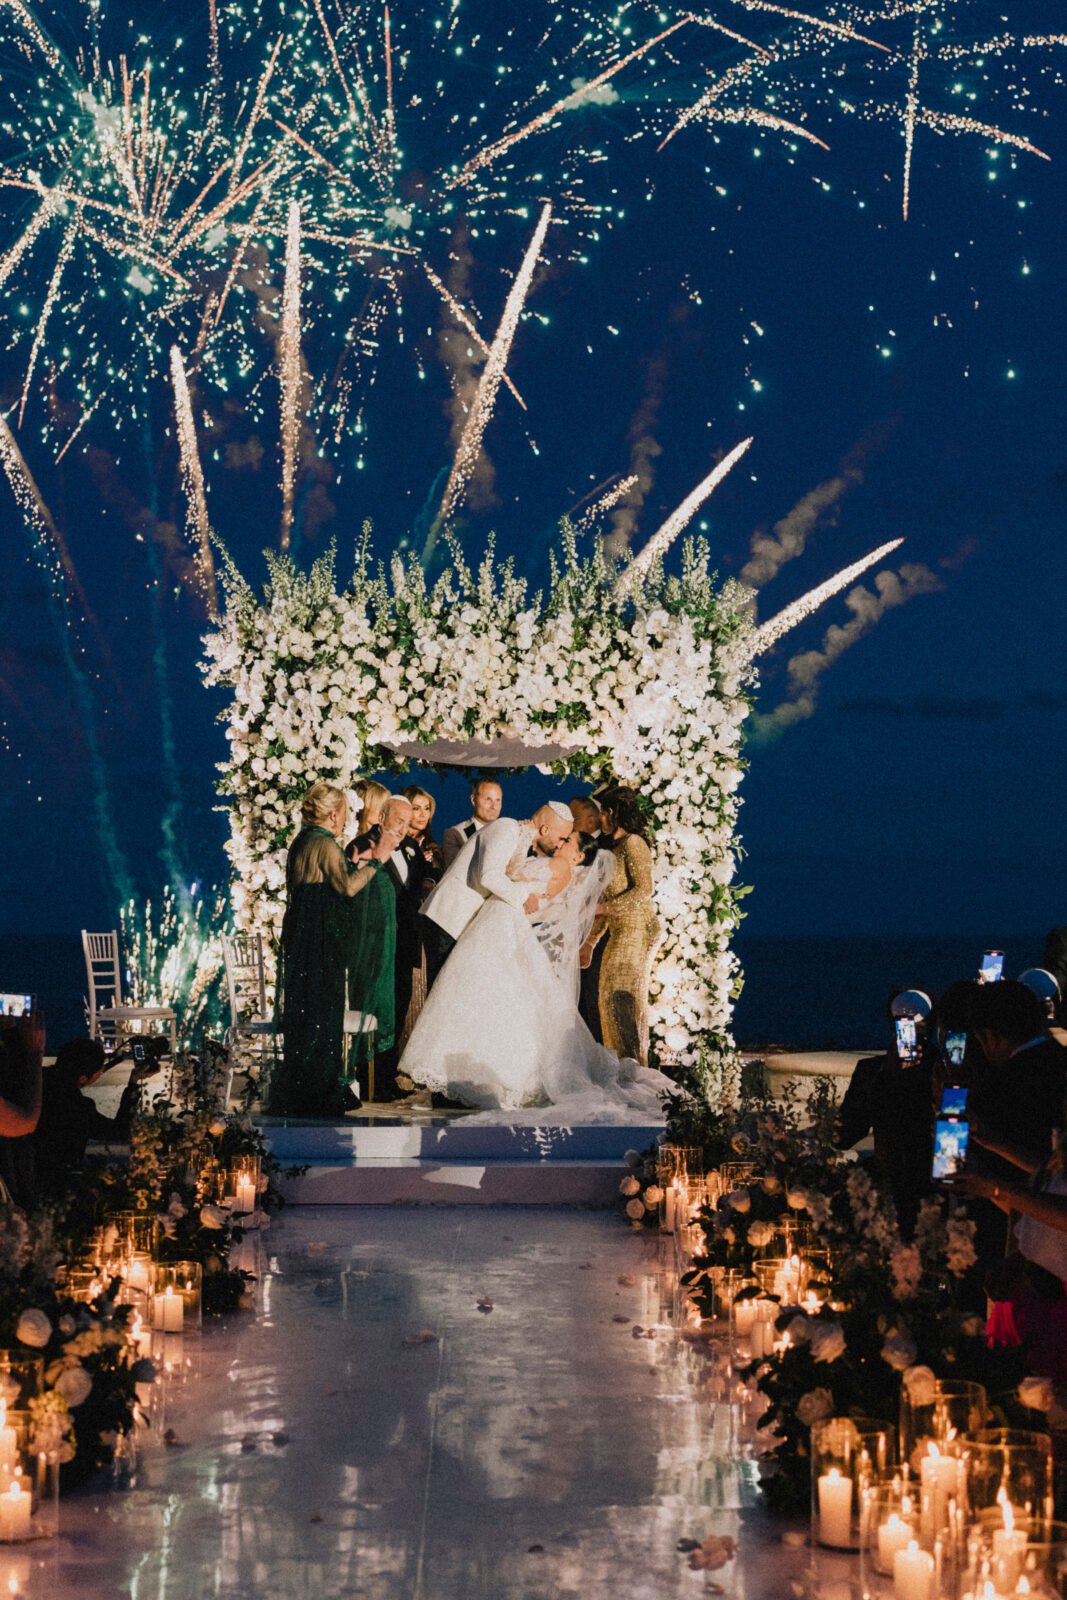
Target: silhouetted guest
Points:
(1055, 961)
(1019, 1096)
(70, 1119)
(893, 1100)
(21, 1058)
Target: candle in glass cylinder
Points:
(940, 1478)
(167, 1311)
(762, 1335)
(893, 1535)
(913, 1573)
(744, 1317)
(1009, 1548)
(16, 1504)
(9, 1444)
(835, 1509)
(138, 1269)
(246, 1195)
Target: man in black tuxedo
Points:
(405, 871)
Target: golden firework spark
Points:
(481, 410)
(681, 517)
(289, 370)
(193, 478)
(768, 633)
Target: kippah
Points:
(560, 809)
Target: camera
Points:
(149, 1050)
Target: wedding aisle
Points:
(444, 1404)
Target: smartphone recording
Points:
(954, 1100)
(950, 1147)
(15, 1005)
(992, 967)
(908, 1047)
(955, 1049)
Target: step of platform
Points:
(371, 1140)
(457, 1183)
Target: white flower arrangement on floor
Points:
(643, 679)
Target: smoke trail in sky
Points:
(193, 478)
(644, 448)
(891, 589)
(38, 519)
(770, 551)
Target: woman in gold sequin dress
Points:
(627, 917)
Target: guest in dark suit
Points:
(487, 797)
(405, 869)
(1019, 1097)
(894, 1101)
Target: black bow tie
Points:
(533, 851)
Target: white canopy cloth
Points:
(473, 753)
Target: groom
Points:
(479, 873)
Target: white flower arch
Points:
(644, 678)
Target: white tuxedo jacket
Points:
(478, 873)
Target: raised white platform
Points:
(452, 1159)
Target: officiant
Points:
(405, 870)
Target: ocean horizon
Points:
(799, 993)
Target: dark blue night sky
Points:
(924, 795)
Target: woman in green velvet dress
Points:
(318, 942)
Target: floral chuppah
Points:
(643, 678)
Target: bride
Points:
(500, 1028)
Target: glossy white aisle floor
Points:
(373, 1430)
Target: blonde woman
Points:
(315, 952)
(373, 798)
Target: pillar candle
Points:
(835, 1509)
(167, 1311)
(15, 1506)
(762, 1336)
(744, 1317)
(1009, 1551)
(137, 1273)
(893, 1535)
(9, 1444)
(913, 1573)
(246, 1195)
(940, 1477)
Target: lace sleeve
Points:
(566, 920)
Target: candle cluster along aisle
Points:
(869, 1383)
(101, 1295)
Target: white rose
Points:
(212, 1216)
(797, 1199)
(75, 1385)
(1036, 1393)
(814, 1405)
(770, 1184)
(740, 1200)
(921, 1385)
(629, 1186)
(653, 1195)
(827, 1341)
(635, 1210)
(900, 1351)
(760, 1233)
(798, 1330)
(33, 1329)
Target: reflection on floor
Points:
(439, 1405)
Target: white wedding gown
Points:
(500, 1030)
